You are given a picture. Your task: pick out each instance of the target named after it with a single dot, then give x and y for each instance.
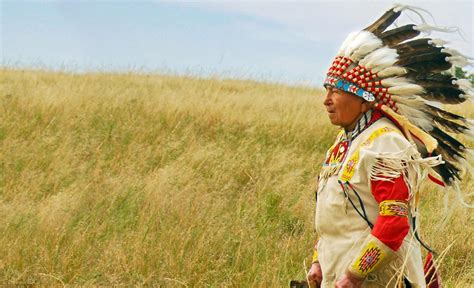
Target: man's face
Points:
(343, 108)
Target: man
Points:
(391, 137)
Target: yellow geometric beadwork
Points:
(369, 258)
(349, 168)
(393, 208)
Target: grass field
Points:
(172, 181)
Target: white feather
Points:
(463, 84)
(380, 59)
(392, 71)
(454, 52)
(437, 42)
(459, 61)
(346, 43)
(415, 119)
(469, 96)
(395, 81)
(415, 9)
(364, 43)
(412, 109)
(466, 165)
(426, 28)
(414, 101)
(460, 196)
(407, 89)
(470, 131)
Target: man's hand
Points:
(315, 274)
(349, 280)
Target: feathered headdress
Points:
(403, 73)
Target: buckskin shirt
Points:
(364, 204)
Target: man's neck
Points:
(351, 127)
(358, 125)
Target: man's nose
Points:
(327, 100)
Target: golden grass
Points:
(171, 181)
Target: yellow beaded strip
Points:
(315, 256)
(393, 208)
(368, 259)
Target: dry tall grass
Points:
(154, 180)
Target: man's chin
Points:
(333, 121)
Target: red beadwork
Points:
(361, 77)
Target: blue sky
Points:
(290, 42)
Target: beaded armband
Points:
(373, 254)
(393, 208)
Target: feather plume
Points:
(400, 34)
(415, 9)
(426, 28)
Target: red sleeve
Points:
(391, 230)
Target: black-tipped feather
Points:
(443, 113)
(436, 84)
(446, 95)
(446, 151)
(418, 50)
(426, 63)
(448, 125)
(412, 45)
(453, 143)
(383, 22)
(400, 34)
(447, 171)
(438, 77)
